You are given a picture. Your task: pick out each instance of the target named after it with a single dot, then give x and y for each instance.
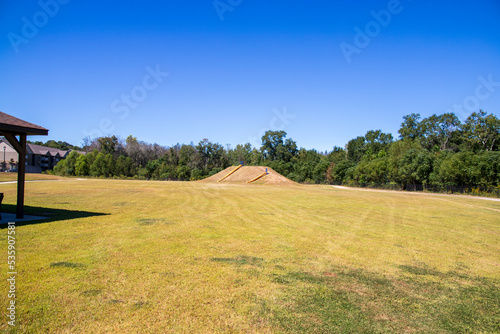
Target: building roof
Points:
(43, 150)
(6, 142)
(15, 125)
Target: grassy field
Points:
(172, 257)
(5, 177)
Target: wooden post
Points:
(21, 170)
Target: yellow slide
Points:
(258, 177)
(234, 170)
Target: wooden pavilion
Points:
(12, 127)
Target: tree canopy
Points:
(438, 150)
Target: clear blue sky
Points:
(232, 70)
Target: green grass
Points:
(156, 257)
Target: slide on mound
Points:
(248, 173)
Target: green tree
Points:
(338, 172)
(91, 156)
(376, 141)
(411, 128)
(124, 166)
(242, 153)
(402, 159)
(60, 145)
(276, 148)
(60, 168)
(482, 131)
(109, 163)
(255, 157)
(211, 155)
(304, 165)
(337, 154)
(98, 167)
(440, 131)
(188, 156)
(110, 145)
(356, 149)
(270, 142)
(196, 174)
(487, 166)
(320, 170)
(81, 166)
(415, 167)
(458, 169)
(70, 163)
(153, 169)
(183, 172)
(204, 148)
(371, 171)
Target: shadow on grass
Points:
(51, 214)
(65, 264)
(421, 300)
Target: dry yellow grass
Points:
(6, 177)
(194, 257)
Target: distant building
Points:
(38, 158)
(7, 154)
(42, 158)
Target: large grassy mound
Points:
(248, 173)
(193, 257)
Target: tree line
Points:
(60, 145)
(438, 150)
